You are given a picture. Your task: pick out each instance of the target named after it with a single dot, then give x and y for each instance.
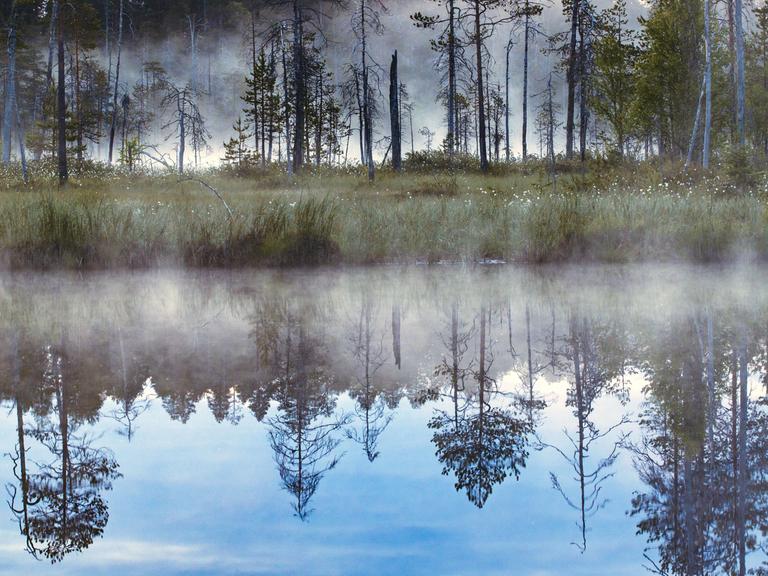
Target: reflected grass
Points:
(139, 222)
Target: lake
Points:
(591, 420)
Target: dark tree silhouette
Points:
(65, 510)
(303, 433)
(484, 448)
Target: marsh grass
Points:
(143, 221)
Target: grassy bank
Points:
(124, 221)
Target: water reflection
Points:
(57, 498)
(481, 444)
(518, 380)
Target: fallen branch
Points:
(160, 158)
(212, 189)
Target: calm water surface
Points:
(489, 420)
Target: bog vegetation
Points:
(110, 219)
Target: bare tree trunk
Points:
(506, 104)
(192, 20)
(78, 103)
(367, 112)
(695, 131)
(740, 89)
(287, 110)
(525, 82)
(551, 133)
(569, 123)
(113, 123)
(181, 107)
(52, 40)
(299, 84)
(61, 104)
(22, 151)
(360, 121)
(451, 78)
(480, 91)
(394, 115)
(585, 30)
(410, 119)
(705, 153)
(10, 88)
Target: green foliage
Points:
(668, 75)
(738, 166)
(613, 78)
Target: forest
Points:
(278, 131)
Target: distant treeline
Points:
(134, 82)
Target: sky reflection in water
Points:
(177, 404)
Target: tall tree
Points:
(113, 122)
(9, 111)
(448, 44)
(741, 130)
(61, 99)
(574, 9)
(615, 53)
(394, 115)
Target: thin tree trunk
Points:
(61, 104)
(10, 88)
(451, 78)
(707, 86)
(52, 41)
(480, 91)
(113, 123)
(181, 107)
(740, 88)
(696, 123)
(367, 112)
(525, 82)
(299, 86)
(360, 121)
(506, 104)
(22, 150)
(394, 115)
(569, 123)
(287, 109)
(78, 103)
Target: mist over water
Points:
(381, 420)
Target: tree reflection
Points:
(19, 493)
(128, 391)
(703, 455)
(527, 370)
(370, 407)
(61, 500)
(485, 447)
(303, 433)
(592, 375)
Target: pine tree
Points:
(237, 155)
